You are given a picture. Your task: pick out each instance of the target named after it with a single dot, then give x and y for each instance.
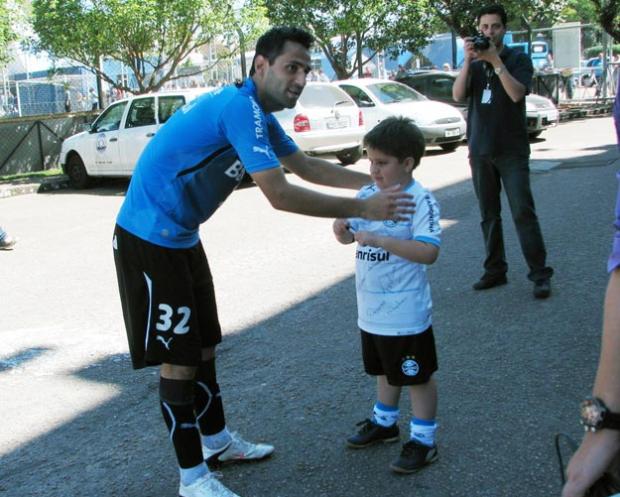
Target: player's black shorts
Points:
(404, 360)
(168, 301)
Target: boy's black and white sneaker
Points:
(414, 457)
(371, 433)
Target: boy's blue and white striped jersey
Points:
(196, 160)
(393, 294)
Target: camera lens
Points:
(481, 42)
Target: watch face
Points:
(592, 411)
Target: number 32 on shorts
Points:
(169, 318)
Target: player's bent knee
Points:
(176, 392)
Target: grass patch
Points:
(28, 176)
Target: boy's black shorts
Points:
(404, 360)
(168, 301)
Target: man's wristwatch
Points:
(499, 70)
(595, 415)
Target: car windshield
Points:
(324, 96)
(110, 120)
(390, 93)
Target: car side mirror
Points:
(366, 103)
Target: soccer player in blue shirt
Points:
(189, 168)
(393, 296)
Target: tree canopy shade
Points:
(460, 15)
(341, 27)
(608, 12)
(151, 37)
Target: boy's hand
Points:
(341, 227)
(366, 238)
(389, 204)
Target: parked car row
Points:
(441, 124)
(328, 118)
(541, 112)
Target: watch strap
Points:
(611, 420)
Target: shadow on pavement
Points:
(512, 370)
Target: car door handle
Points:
(149, 135)
(113, 139)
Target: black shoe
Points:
(542, 288)
(371, 433)
(487, 282)
(414, 457)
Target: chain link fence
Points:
(32, 144)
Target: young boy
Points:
(393, 296)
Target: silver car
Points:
(541, 113)
(441, 124)
(325, 120)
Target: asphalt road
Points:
(76, 420)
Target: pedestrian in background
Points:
(94, 99)
(394, 298)
(496, 79)
(67, 100)
(184, 174)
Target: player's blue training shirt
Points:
(393, 294)
(196, 160)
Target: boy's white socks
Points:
(423, 431)
(385, 415)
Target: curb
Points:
(54, 183)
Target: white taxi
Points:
(115, 140)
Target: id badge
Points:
(486, 96)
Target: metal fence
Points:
(32, 144)
(574, 63)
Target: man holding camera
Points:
(496, 79)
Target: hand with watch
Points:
(596, 416)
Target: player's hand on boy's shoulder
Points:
(391, 203)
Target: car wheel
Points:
(450, 147)
(78, 177)
(535, 134)
(350, 155)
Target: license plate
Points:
(453, 132)
(337, 124)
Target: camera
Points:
(481, 42)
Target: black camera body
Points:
(481, 42)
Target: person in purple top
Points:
(595, 467)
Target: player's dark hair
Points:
(492, 9)
(398, 137)
(271, 44)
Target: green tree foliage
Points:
(608, 14)
(151, 37)
(7, 33)
(460, 15)
(342, 27)
(579, 11)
